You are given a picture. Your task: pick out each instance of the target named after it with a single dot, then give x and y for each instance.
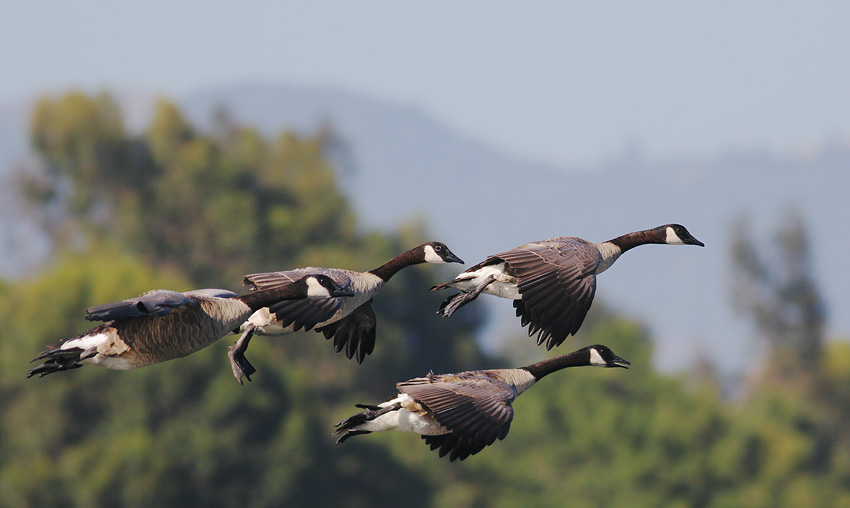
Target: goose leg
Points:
(454, 302)
(371, 414)
(238, 363)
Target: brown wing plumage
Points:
(475, 408)
(557, 282)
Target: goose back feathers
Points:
(460, 414)
(552, 282)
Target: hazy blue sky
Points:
(564, 82)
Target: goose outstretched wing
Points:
(476, 409)
(557, 282)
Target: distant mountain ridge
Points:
(407, 164)
(388, 143)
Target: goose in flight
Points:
(162, 325)
(552, 282)
(460, 414)
(351, 323)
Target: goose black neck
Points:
(543, 368)
(259, 299)
(632, 240)
(387, 270)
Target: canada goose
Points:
(552, 282)
(462, 413)
(162, 325)
(352, 325)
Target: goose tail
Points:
(348, 427)
(68, 354)
(56, 359)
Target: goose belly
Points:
(504, 285)
(113, 362)
(405, 421)
(503, 290)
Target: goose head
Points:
(602, 356)
(676, 234)
(437, 252)
(322, 286)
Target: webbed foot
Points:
(240, 365)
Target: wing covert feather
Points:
(476, 408)
(159, 302)
(557, 283)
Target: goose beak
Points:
(692, 241)
(619, 362)
(451, 258)
(342, 292)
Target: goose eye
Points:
(438, 248)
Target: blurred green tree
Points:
(215, 207)
(780, 294)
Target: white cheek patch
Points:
(596, 358)
(673, 238)
(431, 255)
(316, 290)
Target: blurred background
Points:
(181, 145)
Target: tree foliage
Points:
(214, 207)
(777, 290)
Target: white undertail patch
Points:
(504, 286)
(111, 350)
(403, 419)
(86, 341)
